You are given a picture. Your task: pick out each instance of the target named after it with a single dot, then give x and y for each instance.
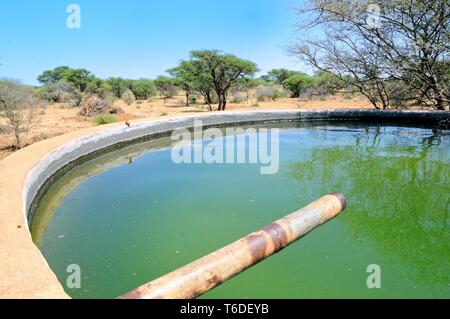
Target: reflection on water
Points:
(398, 188)
(132, 215)
(70, 180)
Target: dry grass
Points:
(58, 119)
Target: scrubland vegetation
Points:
(403, 62)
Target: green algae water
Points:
(132, 215)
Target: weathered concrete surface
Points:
(24, 273)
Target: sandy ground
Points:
(57, 119)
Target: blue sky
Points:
(138, 38)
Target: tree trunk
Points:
(224, 102)
(18, 143)
(208, 100)
(187, 99)
(219, 107)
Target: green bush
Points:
(193, 99)
(60, 92)
(298, 84)
(117, 86)
(278, 94)
(128, 97)
(75, 98)
(102, 119)
(143, 89)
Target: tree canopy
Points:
(118, 86)
(167, 86)
(211, 70)
(279, 76)
(143, 89)
(81, 79)
(193, 80)
(297, 83)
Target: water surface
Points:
(132, 215)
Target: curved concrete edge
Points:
(24, 272)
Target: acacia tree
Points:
(187, 87)
(79, 80)
(192, 79)
(213, 70)
(298, 83)
(53, 76)
(279, 76)
(18, 106)
(185, 81)
(391, 50)
(143, 89)
(82, 79)
(117, 86)
(167, 87)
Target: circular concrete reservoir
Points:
(115, 204)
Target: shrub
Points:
(326, 83)
(75, 98)
(167, 87)
(18, 105)
(270, 92)
(279, 93)
(101, 119)
(93, 105)
(264, 93)
(298, 83)
(192, 99)
(307, 93)
(58, 92)
(108, 96)
(348, 96)
(128, 97)
(143, 89)
(239, 98)
(117, 86)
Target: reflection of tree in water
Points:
(398, 194)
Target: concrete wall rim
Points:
(65, 149)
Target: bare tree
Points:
(18, 106)
(396, 52)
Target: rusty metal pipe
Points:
(210, 271)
